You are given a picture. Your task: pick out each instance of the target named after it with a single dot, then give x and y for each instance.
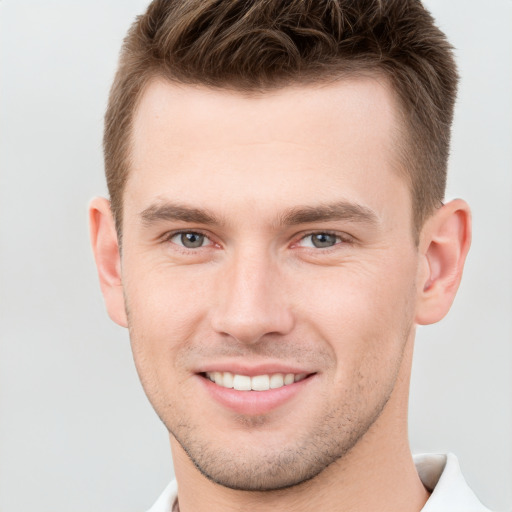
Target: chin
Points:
(257, 468)
(259, 476)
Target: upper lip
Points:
(253, 370)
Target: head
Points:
(253, 47)
(276, 171)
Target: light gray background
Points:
(76, 432)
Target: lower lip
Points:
(254, 402)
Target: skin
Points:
(259, 295)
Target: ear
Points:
(105, 247)
(444, 244)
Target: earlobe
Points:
(444, 244)
(105, 247)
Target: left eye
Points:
(190, 239)
(320, 240)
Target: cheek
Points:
(160, 296)
(165, 311)
(364, 311)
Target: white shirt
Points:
(440, 474)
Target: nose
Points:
(252, 300)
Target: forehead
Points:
(295, 113)
(285, 144)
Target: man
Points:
(275, 232)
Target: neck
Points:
(378, 474)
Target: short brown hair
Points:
(258, 45)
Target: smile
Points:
(256, 383)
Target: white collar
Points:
(450, 493)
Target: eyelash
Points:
(167, 237)
(342, 239)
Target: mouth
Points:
(257, 390)
(264, 382)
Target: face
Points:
(269, 273)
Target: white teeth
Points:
(289, 378)
(276, 381)
(256, 383)
(228, 380)
(260, 383)
(242, 382)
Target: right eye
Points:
(190, 239)
(320, 240)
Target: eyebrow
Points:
(342, 210)
(172, 212)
